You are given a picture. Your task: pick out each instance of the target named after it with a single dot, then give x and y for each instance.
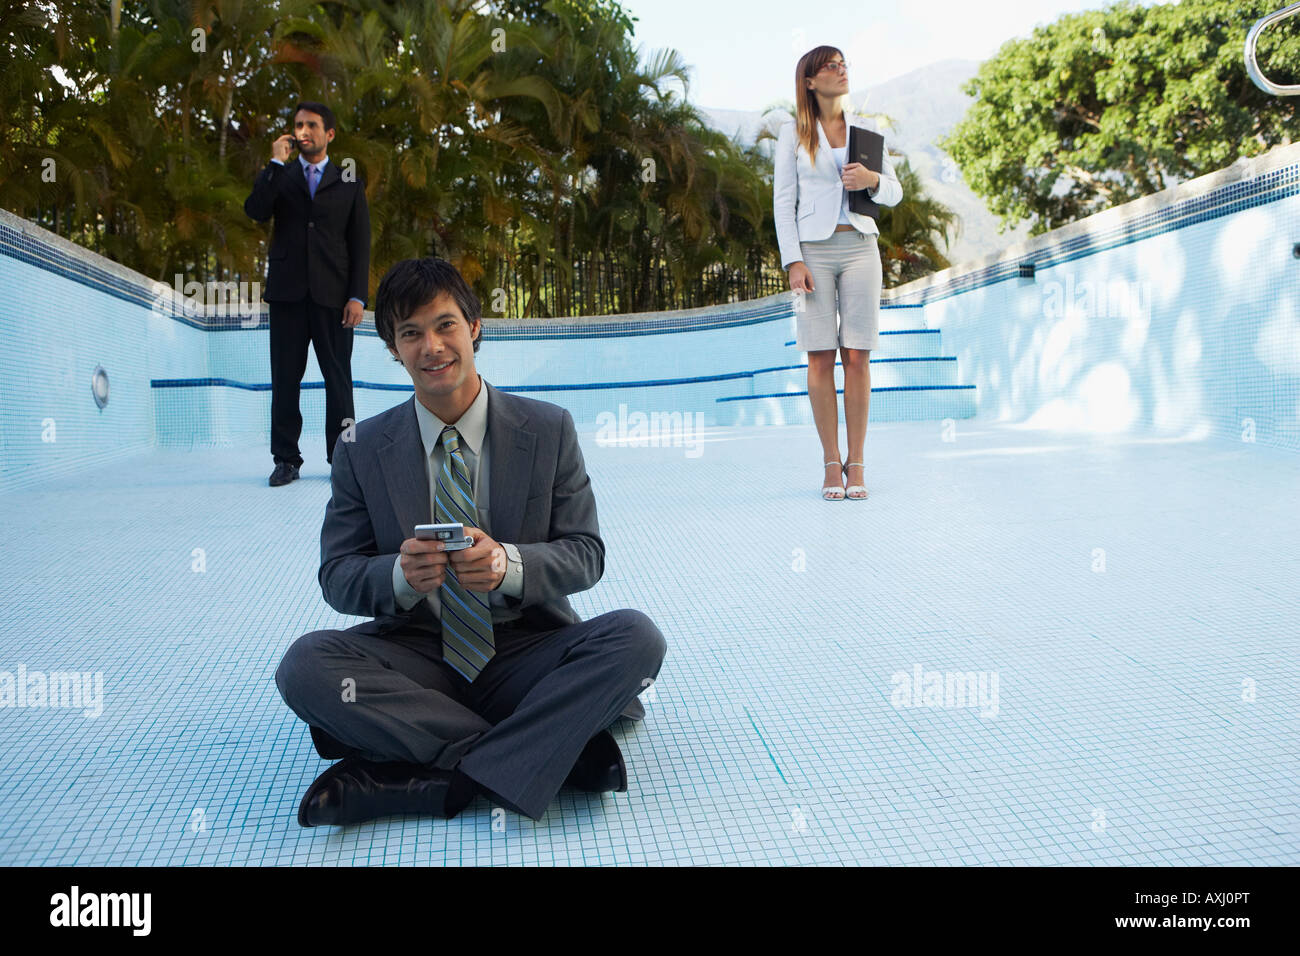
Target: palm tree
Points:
(910, 231)
(525, 165)
(48, 151)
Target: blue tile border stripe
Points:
(840, 391)
(572, 387)
(82, 266)
(753, 723)
(874, 361)
(408, 388)
(895, 332)
(44, 255)
(1233, 197)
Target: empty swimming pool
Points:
(1060, 631)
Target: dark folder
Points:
(867, 148)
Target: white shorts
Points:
(847, 278)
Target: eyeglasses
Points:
(840, 66)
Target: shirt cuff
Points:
(512, 585)
(360, 302)
(405, 595)
(278, 162)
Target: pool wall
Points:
(1176, 314)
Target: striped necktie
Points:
(466, 617)
(311, 181)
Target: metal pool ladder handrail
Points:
(1252, 63)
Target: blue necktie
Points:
(311, 181)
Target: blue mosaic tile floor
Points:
(1130, 605)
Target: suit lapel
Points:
(406, 473)
(300, 176)
(821, 135)
(328, 176)
(511, 451)
(828, 171)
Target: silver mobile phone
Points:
(452, 535)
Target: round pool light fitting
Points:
(99, 386)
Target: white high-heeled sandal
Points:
(848, 492)
(833, 492)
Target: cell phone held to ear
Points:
(452, 535)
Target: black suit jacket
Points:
(541, 502)
(319, 247)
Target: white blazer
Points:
(807, 199)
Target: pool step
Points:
(911, 380)
(885, 373)
(907, 318)
(896, 404)
(901, 343)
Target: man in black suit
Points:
(319, 270)
(475, 676)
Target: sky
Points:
(743, 52)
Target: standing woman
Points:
(831, 254)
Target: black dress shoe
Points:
(354, 790)
(283, 474)
(600, 766)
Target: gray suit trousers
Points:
(517, 729)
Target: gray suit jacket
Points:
(541, 502)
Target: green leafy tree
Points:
(911, 231)
(512, 137)
(1105, 106)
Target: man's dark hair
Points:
(320, 109)
(414, 283)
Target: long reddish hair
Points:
(807, 113)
